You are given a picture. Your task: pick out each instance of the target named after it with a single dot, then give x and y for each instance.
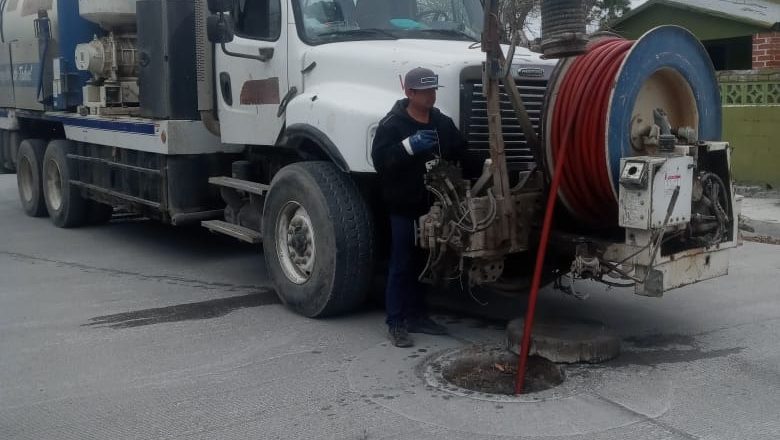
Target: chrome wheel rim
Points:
(53, 185)
(295, 246)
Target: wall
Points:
(766, 50)
(751, 123)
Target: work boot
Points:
(425, 325)
(399, 336)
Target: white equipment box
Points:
(647, 187)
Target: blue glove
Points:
(420, 142)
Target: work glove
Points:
(420, 142)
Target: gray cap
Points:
(421, 78)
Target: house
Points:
(738, 34)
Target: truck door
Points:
(251, 74)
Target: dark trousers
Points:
(404, 296)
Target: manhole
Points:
(490, 372)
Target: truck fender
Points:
(347, 114)
(296, 134)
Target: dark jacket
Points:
(401, 174)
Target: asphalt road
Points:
(135, 330)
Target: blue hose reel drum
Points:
(666, 68)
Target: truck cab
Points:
(326, 72)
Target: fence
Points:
(751, 123)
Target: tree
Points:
(519, 15)
(514, 15)
(604, 12)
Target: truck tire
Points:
(318, 239)
(28, 177)
(67, 208)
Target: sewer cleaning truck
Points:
(255, 119)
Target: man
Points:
(411, 137)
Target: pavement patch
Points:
(209, 309)
(660, 340)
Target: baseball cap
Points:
(421, 78)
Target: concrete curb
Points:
(760, 217)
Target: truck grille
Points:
(474, 123)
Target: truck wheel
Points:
(67, 208)
(318, 239)
(28, 177)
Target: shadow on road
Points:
(194, 241)
(185, 312)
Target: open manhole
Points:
(490, 372)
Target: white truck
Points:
(256, 119)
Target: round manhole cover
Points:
(490, 372)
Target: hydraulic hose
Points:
(41, 71)
(579, 118)
(578, 137)
(43, 33)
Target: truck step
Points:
(241, 185)
(236, 231)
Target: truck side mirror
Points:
(220, 6)
(219, 29)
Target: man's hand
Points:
(420, 142)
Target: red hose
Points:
(579, 116)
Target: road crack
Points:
(168, 279)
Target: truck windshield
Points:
(326, 21)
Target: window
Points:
(730, 53)
(326, 21)
(259, 19)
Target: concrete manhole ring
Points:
(446, 372)
(567, 340)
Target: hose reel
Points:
(604, 102)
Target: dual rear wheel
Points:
(44, 175)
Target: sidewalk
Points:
(761, 218)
